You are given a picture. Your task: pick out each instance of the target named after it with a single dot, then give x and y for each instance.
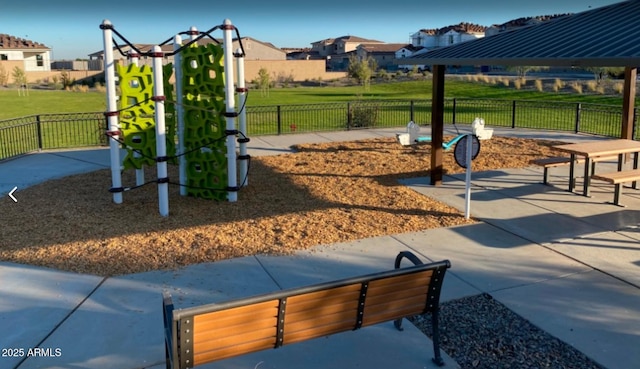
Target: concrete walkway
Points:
(567, 263)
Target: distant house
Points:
(520, 22)
(28, 55)
(447, 36)
(302, 54)
(385, 55)
(407, 51)
(336, 51)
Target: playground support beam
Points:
(242, 119)
(161, 133)
(182, 160)
(232, 180)
(112, 110)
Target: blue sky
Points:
(71, 27)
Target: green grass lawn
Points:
(44, 101)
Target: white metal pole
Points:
(242, 120)
(161, 139)
(135, 57)
(112, 110)
(467, 196)
(182, 160)
(232, 195)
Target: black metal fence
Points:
(50, 131)
(54, 131)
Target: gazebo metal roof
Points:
(608, 36)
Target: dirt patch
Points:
(323, 193)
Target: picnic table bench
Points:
(617, 179)
(560, 161)
(207, 333)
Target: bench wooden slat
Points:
(232, 351)
(263, 308)
(332, 296)
(321, 331)
(383, 315)
(211, 341)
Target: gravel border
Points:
(479, 332)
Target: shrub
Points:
(539, 86)
(558, 84)
(517, 83)
(592, 86)
(618, 87)
(364, 115)
(577, 87)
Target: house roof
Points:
(12, 42)
(383, 48)
(605, 36)
(348, 38)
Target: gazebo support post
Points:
(437, 124)
(628, 102)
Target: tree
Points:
(4, 76)
(361, 69)
(263, 81)
(20, 78)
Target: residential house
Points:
(30, 56)
(406, 51)
(336, 51)
(385, 55)
(304, 53)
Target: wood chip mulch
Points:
(323, 193)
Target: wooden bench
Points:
(560, 161)
(617, 179)
(207, 333)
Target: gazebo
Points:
(608, 36)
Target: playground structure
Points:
(146, 118)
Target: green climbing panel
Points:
(204, 123)
(137, 119)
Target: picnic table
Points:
(594, 149)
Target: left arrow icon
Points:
(11, 194)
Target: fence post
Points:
(513, 114)
(39, 128)
(411, 113)
(578, 114)
(453, 118)
(279, 121)
(348, 116)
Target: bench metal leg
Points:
(616, 194)
(587, 177)
(437, 358)
(545, 176)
